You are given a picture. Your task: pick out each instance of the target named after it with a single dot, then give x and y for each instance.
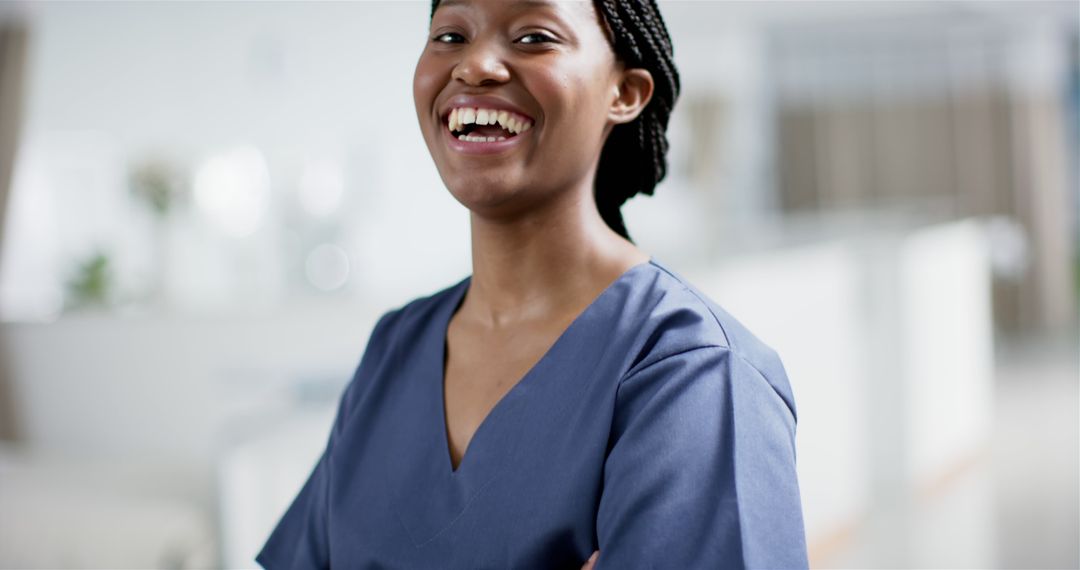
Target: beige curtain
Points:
(12, 57)
(970, 149)
(13, 43)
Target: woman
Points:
(573, 394)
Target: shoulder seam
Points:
(729, 349)
(716, 318)
(765, 377)
(646, 364)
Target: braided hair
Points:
(634, 157)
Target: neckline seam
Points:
(443, 329)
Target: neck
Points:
(543, 262)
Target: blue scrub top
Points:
(656, 429)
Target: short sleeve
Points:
(700, 471)
(301, 538)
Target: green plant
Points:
(156, 183)
(91, 282)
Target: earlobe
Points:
(631, 95)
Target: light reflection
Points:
(232, 189)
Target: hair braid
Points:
(634, 158)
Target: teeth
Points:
(471, 138)
(468, 115)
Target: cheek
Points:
(578, 108)
(425, 83)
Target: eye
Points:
(449, 38)
(535, 38)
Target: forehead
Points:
(569, 9)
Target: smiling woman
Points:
(618, 107)
(573, 394)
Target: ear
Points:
(630, 95)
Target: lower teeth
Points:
(470, 138)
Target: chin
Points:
(486, 195)
(476, 195)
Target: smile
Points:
(479, 125)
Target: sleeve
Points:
(301, 538)
(700, 471)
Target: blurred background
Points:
(204, 207)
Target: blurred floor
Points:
(1015, 506)
(1036, 449)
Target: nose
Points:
(480, 65)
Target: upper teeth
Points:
(469, 115)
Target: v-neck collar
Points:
(428, 478)
(456, 299)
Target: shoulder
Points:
(676, 317)
(678, 321)
(409, 319)
(396, 331)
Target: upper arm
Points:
(701, 470)
(301, 538)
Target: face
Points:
(515, 99)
